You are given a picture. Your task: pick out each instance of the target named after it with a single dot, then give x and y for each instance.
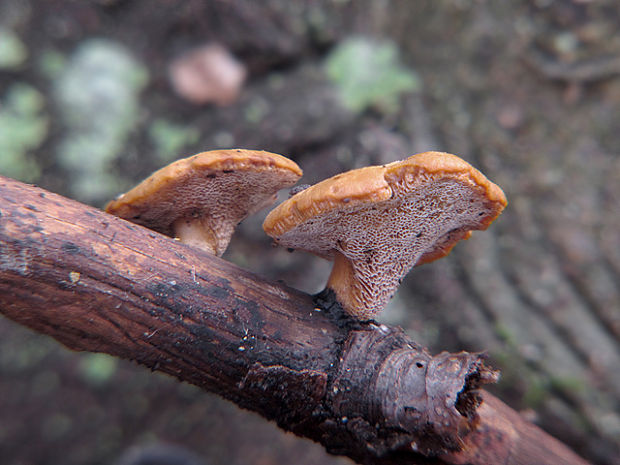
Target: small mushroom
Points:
(201, 199)
(377, 222)
(208, 74)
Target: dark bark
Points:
(365, 390)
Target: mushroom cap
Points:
(209, 73)
(378, 222)
(217, 189)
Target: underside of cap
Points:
(404, 214)
(214, 190)
(345, 190)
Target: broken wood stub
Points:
(397, 397)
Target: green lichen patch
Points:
(51, 63)
(23, 128)
(169, 139)
(13, 52)
(367, 73)
(97, 368)
(98, 98)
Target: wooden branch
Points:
(98, 283)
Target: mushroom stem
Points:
(199, 233)
(341, 278)
(346, 285)
(357, 287)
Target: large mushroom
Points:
(377, 222)
(201, 199)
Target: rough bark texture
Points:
(98, 283)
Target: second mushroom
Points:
(201, 199)
(377, 222)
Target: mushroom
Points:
(208, 74)
(201, 199)
(377, 222)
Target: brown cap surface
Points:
(378, 222)
(201, 199)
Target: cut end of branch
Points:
(422, 404)
(451, 398)
(469, 398)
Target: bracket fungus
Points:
(201, 199)
(377, 222)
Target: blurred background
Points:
(95, 95)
